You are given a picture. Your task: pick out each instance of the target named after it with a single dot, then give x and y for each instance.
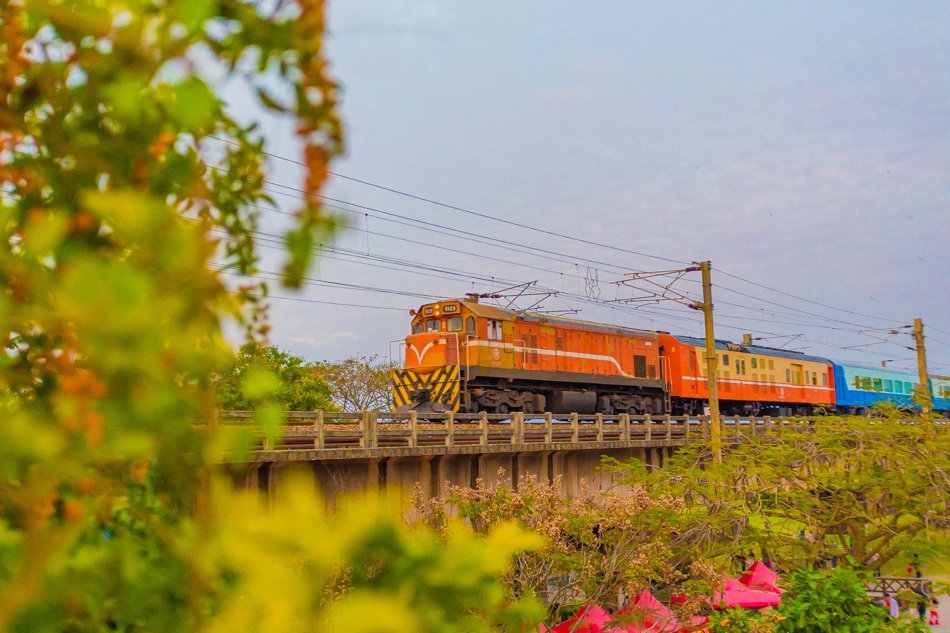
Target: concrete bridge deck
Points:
(349, 452)
(320, 436)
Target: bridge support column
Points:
(336, 478)
(405, 475)
(453, 470)
(495, 468)
(534, 464)
(564, 465)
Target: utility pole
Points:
(652, 290)
(923, 388)
(712, 362)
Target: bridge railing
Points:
(322, 430)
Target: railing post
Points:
(483, 425)
(517, 428)
(768, 424)
(668, 428)
(625, 427)
(649, 424)
(600, 427)
(735, 423)
(369, 430)
(548, 428)
(575, 428)
(319, 441)
(413, 428)
(704, 426)
(450, 429)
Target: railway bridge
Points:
(349, 452)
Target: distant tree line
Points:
(357, 383)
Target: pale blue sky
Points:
(804, 146)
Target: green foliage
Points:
(745, 621)
(265, 373)
(834, 601)
(863, 490)
(115, 232)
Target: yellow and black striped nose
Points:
(412, 390)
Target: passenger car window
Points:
(433, 325)
(753, 363)
(454, 324)
(888, 385)
(725, 360)
(824, 380)
(899, 387)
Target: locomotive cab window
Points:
(494, 330)
(470, 327)
(454, 324)
(433, 325)
(417, 328)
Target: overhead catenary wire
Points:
(476, 213)
(639, 312)
(495, 218)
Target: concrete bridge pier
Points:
(434, 474)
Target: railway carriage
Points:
(751, 379)
(940, 392)
(859, 387)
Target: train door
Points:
(798, 376)
(560, 345)
(529, 337)
(546, 341)
(694, 371)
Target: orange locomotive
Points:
(470, 357)
(467, 356)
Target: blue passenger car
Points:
(940, 391)
(859, 387)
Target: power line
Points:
(818, 303)
(556, 234)
(475, 213)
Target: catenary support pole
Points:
(712, 362)
(923, 388)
